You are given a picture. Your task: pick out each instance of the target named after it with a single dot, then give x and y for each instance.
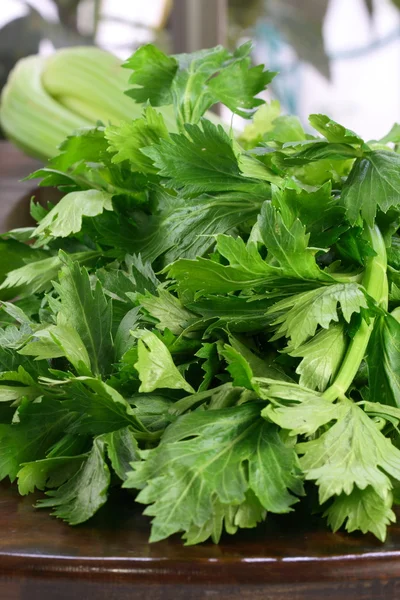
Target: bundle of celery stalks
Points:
(206, 318)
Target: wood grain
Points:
(110, 557)
(289, 557)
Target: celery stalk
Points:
(31, 118)
(48, 98)
(375, 283)
(94, 78)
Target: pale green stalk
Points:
(376, 285)
(46, 99)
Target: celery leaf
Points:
(76, 500)
(363, 510)
(383, 359)
(298, 316)
(340, 459)
(201, 458)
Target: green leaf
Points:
(194, 82)
(314, 150)
(127, 139)
(238, 367)
(29, 388)
(80, 497)
(14, 337)
(51, 178)
(240, 97)
(204, 276)
(9, 393)
(191, 93)
(295, 408)
(211, 364)
(252, 166)
(353, 247)
(222, 396)
(334, 132)
(16, 313)
(383, 411)
(287, 128)
(10, 361)
(263, 123)
(184, 227)
(40, 425)
(47, 473)
(320, 212)
(228, 517)
(66, 217)
(155, 365)
(299, 316)
(206, 77)
(43, 347)
(189, 229)
(383, 360)
(239, 314)
(247, 270)
(100, 407)
(69, 445)
(88, 312)
(363, 510)
(321, 357)
(393, 252)
(201, 160)
(142, 272)
(287, 244)
(394, 294)
(201, 457)
(122, 450)
(123, 338)
(393, 135)
(85, 165)
(153, 411)
(244, 365)
(87, 145)
(14, 255)
(59, 340)
(20, 375)
(168, 311)
(340, 459)
(153, 74)
(36, 276)
(69, 341)
(116, 281)
(373, 182)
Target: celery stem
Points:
(376, 285)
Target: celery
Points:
(376, 285)
(27, 110)
(48, 98)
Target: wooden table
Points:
(109, 558)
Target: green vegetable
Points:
(209, 320)
(46, 98)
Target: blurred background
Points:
(340, 57)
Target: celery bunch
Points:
(212, 322)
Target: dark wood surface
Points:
(289, 557)
(110, 557)
(15, 194)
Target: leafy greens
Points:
(211, 320)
